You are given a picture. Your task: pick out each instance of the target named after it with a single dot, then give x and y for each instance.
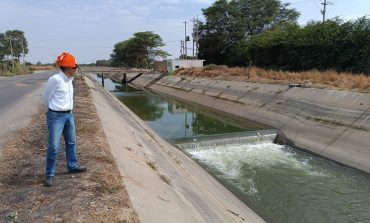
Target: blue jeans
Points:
(59, 123)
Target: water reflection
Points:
(173, 119)
(147, 108)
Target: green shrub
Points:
(211, 67)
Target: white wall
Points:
(176, 64)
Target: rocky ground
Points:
(95, 196)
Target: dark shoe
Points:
(79, 169)
(49, 181)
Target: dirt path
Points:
(95, 196)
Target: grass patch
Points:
(279, 91)
(152, 165)
(165, 179)
(327, 121)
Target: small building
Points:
(175, 64)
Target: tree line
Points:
(266, 34)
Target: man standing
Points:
(58, 97)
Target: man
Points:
(58, 97)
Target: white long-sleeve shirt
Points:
(58, 93)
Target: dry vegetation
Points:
(313, 78)
(38, 68)
(96, 196)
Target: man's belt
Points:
(68, 111)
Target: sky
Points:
(89, 29)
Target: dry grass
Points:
(320, 79)
(36, 68)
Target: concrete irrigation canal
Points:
(279, 182)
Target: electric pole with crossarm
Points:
(323, 12)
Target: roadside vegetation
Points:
(13, 47)
(41, 67)
(7, 70)
(320, 79)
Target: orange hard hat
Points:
(66, 60)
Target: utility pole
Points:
(185, 40)
(182, 49)
(24, 63)
(323, 12)
(195, 37)
(11, 50)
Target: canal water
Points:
(282, 184)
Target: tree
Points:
(261, 15)
(149, 44)
(230, 25)
(19, 43)
(139, 51)
(220, 32)
(2, 46)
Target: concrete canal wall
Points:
(163, 183)
(334, 124)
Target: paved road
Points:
(20, 97)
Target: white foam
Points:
(229, 159)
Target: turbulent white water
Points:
(287, 185)
(229, 159)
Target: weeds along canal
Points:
(281, 183)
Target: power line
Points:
(299, 2)
(89, 37)
(317, 5)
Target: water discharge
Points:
(286, 185)
(282, 184)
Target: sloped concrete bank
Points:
(164, 184)
(334, 124)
